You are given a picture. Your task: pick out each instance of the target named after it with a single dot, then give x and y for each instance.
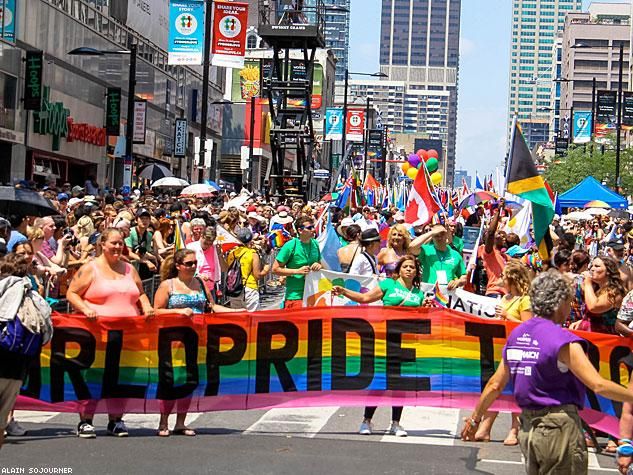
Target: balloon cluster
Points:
(427, 158)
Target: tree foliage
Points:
(594, 160)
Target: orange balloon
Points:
(405, 167)
(412, 173)
(432, 154)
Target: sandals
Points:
(185, 431)
(163, 432)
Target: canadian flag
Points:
(226, 239)
(422, 204)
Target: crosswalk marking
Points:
(150, 421)
(302, 422)
(34, 417)
(428, 426)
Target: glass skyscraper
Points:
(535, 26)
(337, 33)
(419, 48)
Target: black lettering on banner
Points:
(396, 355)
(315, 355)
(73, 366)
(217, 358)
(593, 353)
(615, 359)
(486, 333)
(166, 337)
(340, 328)
(33, 380)
(267, 356)
(459, 305)
(111, 387)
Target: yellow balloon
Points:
(405, 167)
(436, 178)
(412, 173)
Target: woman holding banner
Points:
(549, 372)
(107, 287)
(403, 289)
(182, 293)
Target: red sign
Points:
(355, 125)
(85, 133)
(230, 20)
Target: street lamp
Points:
(129, 128)
(618, 124)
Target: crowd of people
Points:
(100, 248)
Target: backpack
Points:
(234, 278)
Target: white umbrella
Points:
(199, 189)
(170, 182)
(598, 211)
(578, 216)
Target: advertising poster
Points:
(7, 13)
(606, 102)
(627, 110)
(355, 125)
(230, 21)
(334, 123)
(582, 126)
(186, 32)
(246, 81)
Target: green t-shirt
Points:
(458, 244)
(134, 240)
(395, 293)
(295, 254)
(450, 263)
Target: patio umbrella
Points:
(24, 202)
(579, 216)
(597, 204)
(597, 211)
(170, 182)
(213, 184)
(478, 197)
(199, 190)
(155, 172)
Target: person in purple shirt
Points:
(549, 372)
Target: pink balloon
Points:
(432, 154)
(421, 153)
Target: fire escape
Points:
(290, 25)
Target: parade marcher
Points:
(398, 241)
(550, 387)
(210, 259)
(365, 262)
(440, 263)
(347, 253)
(492, 257)
(108, 286)
(296, 259)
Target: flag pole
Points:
(511, 148)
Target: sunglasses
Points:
(190, 263)
(309, 228)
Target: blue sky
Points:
(483, 75)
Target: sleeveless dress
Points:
(196, 301)
(113, 297)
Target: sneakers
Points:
(365, 428)
(117, 429)
(15, 429)
(85, 430)
(397, 430)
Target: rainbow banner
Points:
(341, 356)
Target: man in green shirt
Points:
(440, 262)
(296, 259)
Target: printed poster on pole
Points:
(230, 20)
(186, 32)
(334, 124)
(582, 126)
(355, 125)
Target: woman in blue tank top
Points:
(182, 293)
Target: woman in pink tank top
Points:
(108, 287)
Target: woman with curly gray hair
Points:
(549, 371)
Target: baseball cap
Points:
(244, 235)
(62, 196)
(143, 212)
(517, 251)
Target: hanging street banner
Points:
(34, 66)
(113, 111)
(606, 110)
(186, 32)
(627, 110)
(7, 20)
(355, 125)
(334, 123)
(140, 121)
(561, 146)
(582, 127)
(230, 20)
(341, 356)
(180, 138)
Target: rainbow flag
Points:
(439, 297)
(278, 238)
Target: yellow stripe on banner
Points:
(526, 184)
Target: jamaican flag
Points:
(524, 180)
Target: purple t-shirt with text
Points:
(539, 379)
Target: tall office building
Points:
(337, 33)
(419, 52)
(535, 26)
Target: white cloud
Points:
(466, 47)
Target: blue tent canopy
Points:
(588, 190)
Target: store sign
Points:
(54, 119)
(186, 32)
(9, 135)
(113, 111)
(355, 125)
(33, 80)
(180, 138)
(140, 121)
(230, 20)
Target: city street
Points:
(280, 441)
